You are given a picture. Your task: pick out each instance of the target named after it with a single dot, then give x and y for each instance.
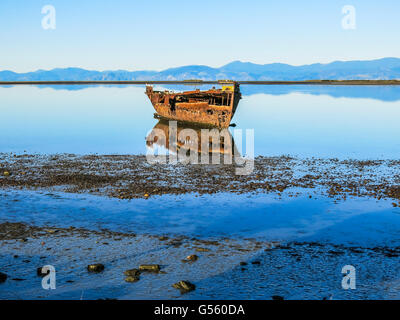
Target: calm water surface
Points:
(305, 121)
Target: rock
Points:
(40, 272)
(98, 267)
(149, 267)
(277, 298)
(202, 250)
(269, 246)
(3, 277)
(132, 279)
(132, 273)
(163, 238)
(184, 286)
(356, 250)
(335, 252)
(394, 204)
(192, 257)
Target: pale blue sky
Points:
(155, 35)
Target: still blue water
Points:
(356, 221)
(305, 121)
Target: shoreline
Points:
(142, 82)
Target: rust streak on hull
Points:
(214, 107)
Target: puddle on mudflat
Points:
(360, 221)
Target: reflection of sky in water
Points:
(355, 122)
(357, 221)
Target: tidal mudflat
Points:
(76, 190)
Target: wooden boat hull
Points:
(214, 107)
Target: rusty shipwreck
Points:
(214, 107)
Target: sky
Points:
(156, 35)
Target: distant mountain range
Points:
(381, 69)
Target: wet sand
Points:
(225, 268)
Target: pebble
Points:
(98, 267)
(184, 286)
(149, 267)
(202, 250)
(192, 257)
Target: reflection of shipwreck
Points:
(214, 107)
(192, 140)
